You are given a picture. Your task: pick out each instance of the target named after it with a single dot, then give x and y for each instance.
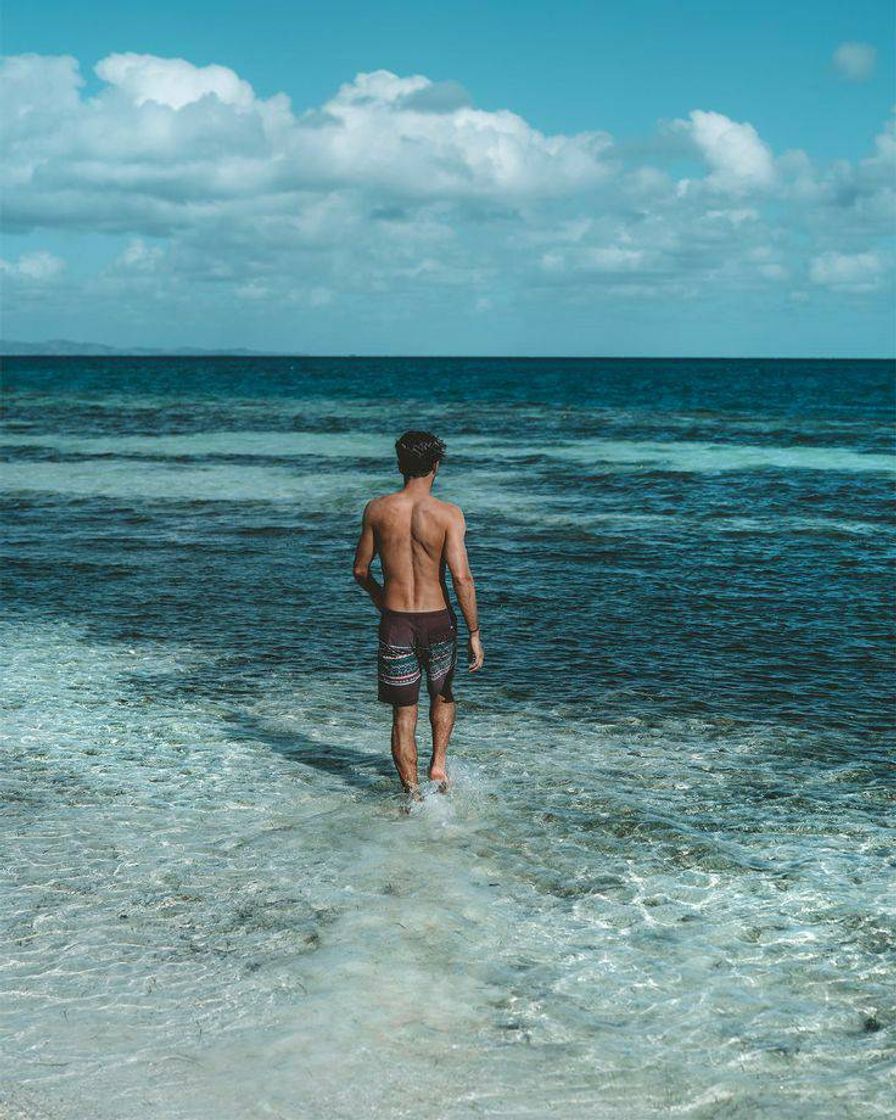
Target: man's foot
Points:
(412, 794)
(436, 774)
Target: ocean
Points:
(663, 881)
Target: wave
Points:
(688, 456)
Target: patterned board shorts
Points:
(411, 643)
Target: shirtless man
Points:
(416, 536)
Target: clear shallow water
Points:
(663, 883)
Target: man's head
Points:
(419, 453)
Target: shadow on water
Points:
(358, 769)
(217, 683)
(355, 768)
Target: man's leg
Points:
(404, 745)
(441, 717)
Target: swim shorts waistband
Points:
(417, 614)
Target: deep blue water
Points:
(682, 582)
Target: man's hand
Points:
(475, 652)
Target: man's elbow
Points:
(361, 572)
(463, 578)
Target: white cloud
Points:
(885, 144)
(856, 201)
(738, 158)
(855, 61)
(139, 256)
(36, 91)
(609, 258)
(172, 81)
(736, 215)
(37, 267)
(165, 141)
(375, 131)
(217, 199)
(848, 272)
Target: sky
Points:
(645, 178)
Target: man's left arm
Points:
(364, 555)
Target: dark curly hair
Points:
(418, 453)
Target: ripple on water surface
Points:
(219, 909)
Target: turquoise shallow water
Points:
(663, 883)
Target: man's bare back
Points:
(411, 533)
(418, 538)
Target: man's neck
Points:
(418, 487)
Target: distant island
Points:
(65, 346)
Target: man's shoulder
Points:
(449, 510)
(380, 503)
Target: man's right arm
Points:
(464, 587)
(364, 554)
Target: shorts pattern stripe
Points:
(398, 665)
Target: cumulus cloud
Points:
(172, 81)
(855, 61)
(738, 159)
(164, 135)
(854, 201)
(400, 185)
(387, 137)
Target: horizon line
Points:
(195, 352)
